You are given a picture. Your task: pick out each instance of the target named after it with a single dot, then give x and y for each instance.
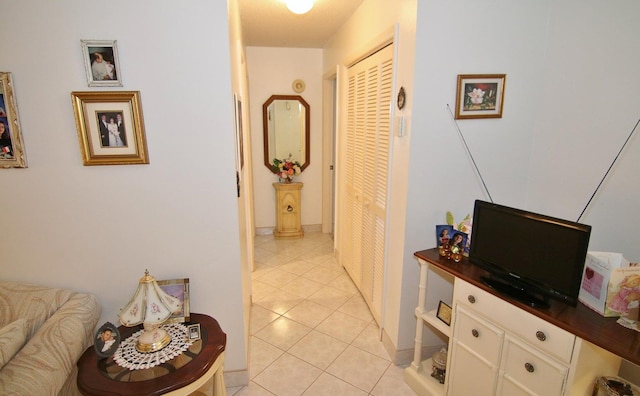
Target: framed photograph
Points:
(101, 63)
(194, 332)
(444, 313)
(107, 340)
(178, 288)
(12, 153)
(461, 240)
(110, 127)
(480, 95)
(444, 232)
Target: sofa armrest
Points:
(44, 364)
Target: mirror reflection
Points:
(285, 120)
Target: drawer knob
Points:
(541, 336)
(471, 299)
(529, 367)
(289, 208)
(475, 333)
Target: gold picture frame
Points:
(444, 313)
(12, 153)
(178, 288)
(480, 96)
(102, 142)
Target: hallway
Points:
(311, 331)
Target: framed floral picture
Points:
(110, 127)
(178, 288)
(101, 63)
(480, 95)
(12, 153)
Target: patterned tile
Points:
(359, 368)
(283, 333)
(312, 334)
(288, 376)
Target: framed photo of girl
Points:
(12, 153)
(480, 95)
(101, 63)
(110, 127)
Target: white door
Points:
(367, 144)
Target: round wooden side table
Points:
(182, 375)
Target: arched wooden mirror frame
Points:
(266, 136)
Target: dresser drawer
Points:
(530, 328)
(536, 372)
(478, 335)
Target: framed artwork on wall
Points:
(178, 288)
(110, 127)
(480, 95)
(12, 153)
(101, 63)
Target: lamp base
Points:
(152, 340)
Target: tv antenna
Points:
(469, 152)
(608, 170)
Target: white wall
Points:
(589, 109)
(569, 104)
(97, 228)
(271, 71)
(442, 177)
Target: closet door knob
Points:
(475, 333)
(529, 367)
(541, 336)
(471, 299)
(289, 208)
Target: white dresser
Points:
(496, 346)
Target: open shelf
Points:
(432, 319)
(421, 381)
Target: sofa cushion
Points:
(12, 338)
(34, 303)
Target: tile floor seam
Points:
(339, 296)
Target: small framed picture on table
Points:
(193, 332)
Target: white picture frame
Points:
(101, 63)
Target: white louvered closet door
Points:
(366, 162)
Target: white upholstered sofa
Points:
(43, 332)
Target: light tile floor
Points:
(312, 333)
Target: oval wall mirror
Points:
(285, 119)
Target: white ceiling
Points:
(269, 23)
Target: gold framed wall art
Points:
(110, 127)
(12, 153)
(480, 95)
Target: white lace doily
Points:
(128, 357)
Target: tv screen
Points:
(530, 255)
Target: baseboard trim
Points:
(404, 357)
(236, 378)
(306, 228)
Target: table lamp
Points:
(150, 306)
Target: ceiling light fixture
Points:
(299, 6)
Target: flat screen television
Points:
(529, 256)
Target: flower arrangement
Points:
(286, 169)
